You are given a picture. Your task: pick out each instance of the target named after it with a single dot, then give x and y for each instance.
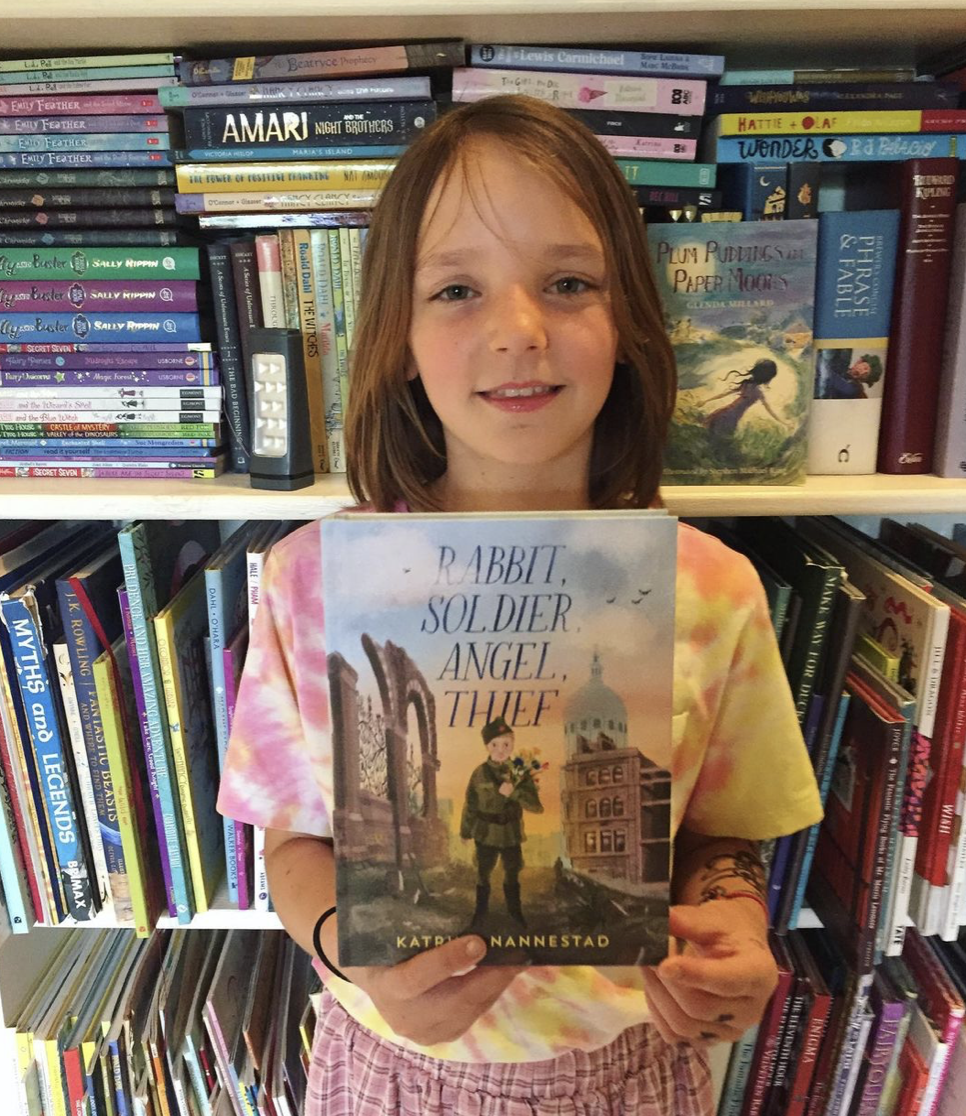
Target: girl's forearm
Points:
(301, 879)
(710, 867)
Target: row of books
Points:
(121, 657)
(207, 1021)
(832, 1043)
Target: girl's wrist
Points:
(719, 893)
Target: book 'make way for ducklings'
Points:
(501, 698)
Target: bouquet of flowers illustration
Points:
(526, 764)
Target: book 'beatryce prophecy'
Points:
(501, 696)
(738, 305)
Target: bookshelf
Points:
(749, 32)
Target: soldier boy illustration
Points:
(493, 818)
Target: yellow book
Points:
(181, 628)
(233, 178)
(876, 655)
(309, 324)
(109, 701)
(801, 123)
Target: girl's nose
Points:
(517, 323)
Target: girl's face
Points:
(512, 332)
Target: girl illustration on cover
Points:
(747, 391)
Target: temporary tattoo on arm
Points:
(743, 866)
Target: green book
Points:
(100, 263)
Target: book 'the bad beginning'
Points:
(501, 697)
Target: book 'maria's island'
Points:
(501, 699)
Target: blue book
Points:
(870, 148)
(853, 304)
(100, 329)
(758, 190)
(226, 585)
(90, 141)
(256, 154)
(73, 160)
(156, 557)
(591, 60)
(739, 1068)
(97, 580)
(30, 616)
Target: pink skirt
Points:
(356, 1073)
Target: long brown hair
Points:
(394, 440)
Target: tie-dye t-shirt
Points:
(734, 721)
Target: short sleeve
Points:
(278, 765)
(747, 772)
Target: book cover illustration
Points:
(501, 756)
(738, 305)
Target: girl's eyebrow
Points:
(555, 253)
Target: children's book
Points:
(502, 762)
(738, 305)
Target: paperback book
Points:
(738, 305)
(492, 726)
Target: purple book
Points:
(19, 126)
(889, 1007)
(64, 294)
(233, 657)
(156, 377)
(19, 361)
(149, 758)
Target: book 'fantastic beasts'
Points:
(738, 305)
(501, 695)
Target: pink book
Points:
(596, 91)
(66, 104)
(650, 147)
(269, 260)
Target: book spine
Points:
(733, 1090)
(807, 1054)
(84, 73)
(99, 328)
(347, 62)
(14, 876)
(283, 177)
(290, 282)
(244, 275)
(361, 123)
(214, 595)
(339, 152)
(80, 125)
(672, 95)
(786, 123)
(915, 785)
(267, 253)
(949, 453)
(101, 85)
(68, 159)
(861, 97)
(336, 274)
(669, 197)
(654, 124)
(230, 356)
(159, 415)
(838, 148)
(116, 179)
(141, 705)
(878, 1056)
(188, 398)
(113, 263)
(348, 287)
(41, 142)
(649, 147)
(85, 784)
(309, 219)
(108, 429)
(99, 366)
(309, 325)
(660, 172)
(769, 1033)
(98, 472)
(232, 665)
(61, 105)
(758, 190)
(261, 902)
(180, 296)
(776, 1098)
(89, 238)
(916, 336)
(34, 681)
(167, 662)
(642, 63)
(155, 721)
(292, 92)
(275, 202)
(804, 181)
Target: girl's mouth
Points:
(521, 397)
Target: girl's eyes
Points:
(460, 292)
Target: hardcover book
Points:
(491, 725)
(738, 303)
(853, 305)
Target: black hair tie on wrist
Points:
(320, 953)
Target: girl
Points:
(511, 356)
(747, 391)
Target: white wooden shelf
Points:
(221, 915)
(803, 30)
(231, 497)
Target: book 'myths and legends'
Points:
(501, 697)
(738, 305)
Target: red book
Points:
(915, 1075)
(813, 1026)
(769, 1032)
(911, 394)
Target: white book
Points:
(949, 451)
(933, 1052)
(75, 731)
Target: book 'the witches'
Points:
(501, 697)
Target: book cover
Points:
(813, 1028)
(853, 304)
(488, 709)
(738, 305)
(855, 121)
(758, 190)
(770, 1031)
(911, 402)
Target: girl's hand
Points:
(438, 995)
(720, 985)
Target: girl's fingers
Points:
(424, 972)
(714, 1019)
(731, 977)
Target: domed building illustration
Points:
(616, 801)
